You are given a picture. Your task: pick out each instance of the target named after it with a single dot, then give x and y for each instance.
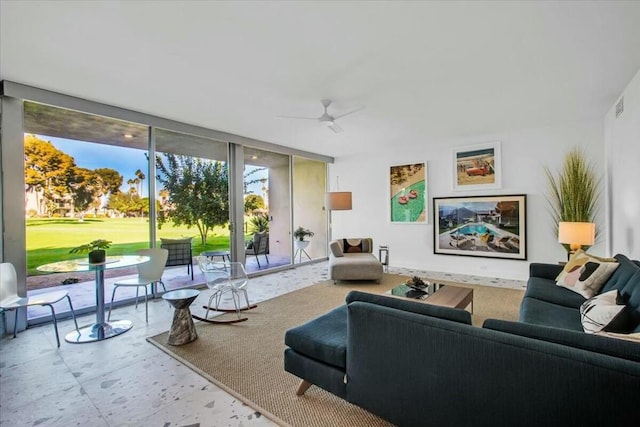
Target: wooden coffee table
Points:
(452, 296)
(443, 295)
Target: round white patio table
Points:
(100, 330)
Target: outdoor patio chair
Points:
(148, 273)
(180, 253)
(259, 246)
(9, 299)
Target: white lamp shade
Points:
(339, 201)
(577, 233)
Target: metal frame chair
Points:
(9, 299)
(148, 273)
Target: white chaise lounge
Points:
(353, 259)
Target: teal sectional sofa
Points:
(547, 304)
(415, 364)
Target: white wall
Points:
(309, 184)
(524, 155)
(279, 211)
(622, 141)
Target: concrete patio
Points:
(83, 294)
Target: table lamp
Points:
(576, 234)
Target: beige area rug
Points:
(246, 359)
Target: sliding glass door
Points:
(267, 207)
(192, 192)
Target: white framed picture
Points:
(477, 167)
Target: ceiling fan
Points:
(326, 118)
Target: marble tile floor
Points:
(125, 381)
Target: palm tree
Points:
(141, 177)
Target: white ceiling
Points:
(426, 71)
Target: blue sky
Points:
(93, 156)
(125, 160)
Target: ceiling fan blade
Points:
(337, 116)
(297, 117)
(334, 127)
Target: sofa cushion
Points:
(356, 244)
(352, 246)
(605, 312)
(547, 290)
(336, 249)
(626, 279)
(323, 338)
(585, 274)
(631, 294)
(631, 291)
(356, 266)
(578, 339)
(538, 312)
(453, 314)
(546, 271)
(623, 274)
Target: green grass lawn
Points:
(49, 240)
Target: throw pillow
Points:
(606, 312)
(336, 250)
(585, 274)
(352, 246)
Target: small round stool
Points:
(183, 330)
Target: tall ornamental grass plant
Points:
(574, 192)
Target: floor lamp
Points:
(337, 201)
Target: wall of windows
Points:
(114, 186)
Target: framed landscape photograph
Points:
(485, 226)
(408, 193)
(477, 166)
